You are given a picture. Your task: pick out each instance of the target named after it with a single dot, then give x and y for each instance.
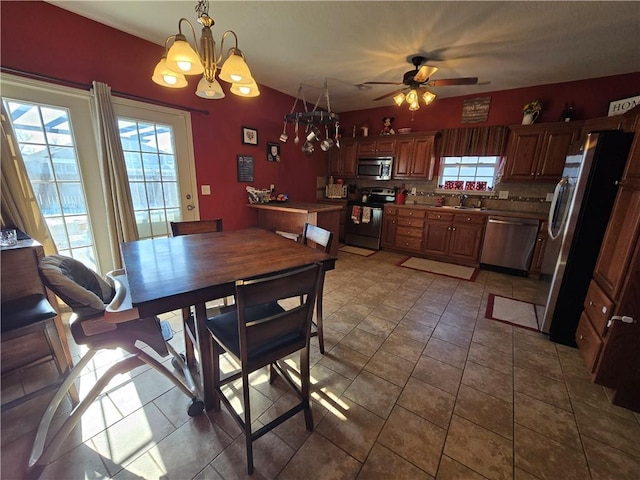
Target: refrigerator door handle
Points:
(552, 210)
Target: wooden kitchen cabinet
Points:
(343, 213)
(389, 226)
(466, 237)
(342, 161)
(410, 228)
(380, 146)
(538, 152)
(437, 233)
(415, 157)
(538, 251)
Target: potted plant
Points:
(530, 112)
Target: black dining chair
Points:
(263, 328)
(190, 228)
(320, 239)
(103, 319)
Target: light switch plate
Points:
(549, 197)
(413, 191)
(503, 195)
(205, 189)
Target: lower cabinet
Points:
(538, 251)
(389, 225)
(409, 230)
(343, 212)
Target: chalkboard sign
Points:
(475, 110)
(245, 168)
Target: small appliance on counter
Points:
(363, 225)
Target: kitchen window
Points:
(475, 172)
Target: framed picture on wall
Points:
(273, 152)
(249, 136)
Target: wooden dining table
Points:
(167, 274)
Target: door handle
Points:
(622, 318)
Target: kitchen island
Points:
(290, 217)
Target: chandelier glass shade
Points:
(413, 97)
(180, 59)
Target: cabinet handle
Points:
(581, 337)
(622, 318)
(539, 173)
(532, 174)
(539, 239)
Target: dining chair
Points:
(190, 228)
(262, 329)
(103, 319)
(321, 239)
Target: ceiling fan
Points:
(416, 81)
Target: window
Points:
(470, 173)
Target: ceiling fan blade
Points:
(425, 72)
(382, 83)
(444, 82)
(390, 94)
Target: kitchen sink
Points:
(462, 207)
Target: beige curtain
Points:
(19, 206)
(118, 202)
(474, 141)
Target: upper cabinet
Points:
(415, 156)
(372, 146)
(538, 152)
(342, 161)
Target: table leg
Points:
(319, 315)
(205, 351)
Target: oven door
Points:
(363, 225)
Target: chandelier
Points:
(413, 97)
(181, 59)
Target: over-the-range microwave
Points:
(374, 168)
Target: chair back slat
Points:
(196, 226)
(318, 237)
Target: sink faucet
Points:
(463, 198)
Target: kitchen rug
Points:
(363, 252)
(440, 268)
(515, 312)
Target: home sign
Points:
(622, 106)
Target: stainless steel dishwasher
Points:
(509, 242)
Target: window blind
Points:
(474, 141)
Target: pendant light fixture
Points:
(181, 59)
(412, 98)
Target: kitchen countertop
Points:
(298, 207)
(504, 213)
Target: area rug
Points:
(363, 252)
(515, 312)
(440, 268)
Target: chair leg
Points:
(319, 315)
(247, 421)
(305, 381)
(217, 351)
(188, 344)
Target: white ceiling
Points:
(505, 44)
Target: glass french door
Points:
(54, 130)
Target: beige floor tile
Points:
(485, 410)
(345, 361)
(403, 347)
(523, 475)
(543, 388)
(439, 374)
(451, 470)
(446, 352)
(494, 338)
(534, 341)
(606, 462)
(479, 449)
(318, 459)
(414, 439)
(459, 321)
(354, 433)
(74, 464)
(571, 362)
(390, 367)
(489, 381)
(209, 473)
(383, 463)
(427, 401)
(538, 363)
(417, 315)
(381, 327)
(550, 421)
(454, 335)
(547, 459)
(607, 428)
(362, 341)
(491, 358)
(461, 309)
(583, 390)
(415, 331)
(373, 393)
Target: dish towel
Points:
(366, 214)
(355, 213)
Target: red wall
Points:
(126, 62)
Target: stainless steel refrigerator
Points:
(578, 218)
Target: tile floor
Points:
(415, 384)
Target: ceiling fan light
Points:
(235, 69)
(245, 90)
(209, 90)
(428, 97)
(412, 96)
(183, 58)
(164, 76)
(414, 106)
(399, 98)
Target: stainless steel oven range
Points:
(363, 225)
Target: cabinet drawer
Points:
(440, 216)
(588, 342)
(405, 212)
(409, 243)
(410, 222)
(598, 307)
(409, 232)
(390, 211)
(469, 219)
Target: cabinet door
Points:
(555, 146)
(436, 237)
(589, 342)
(423, 158)
(466, 237)
(389, 227)
(333, 162)
(348, 157)
(366, 147)
(522, 154)
(538, 252)
(404, 157)
(385, 146)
